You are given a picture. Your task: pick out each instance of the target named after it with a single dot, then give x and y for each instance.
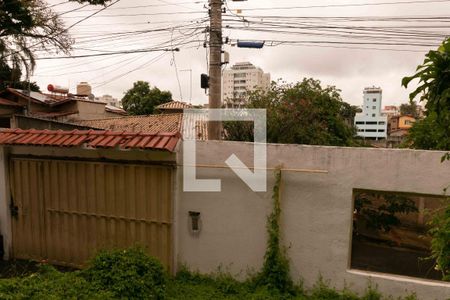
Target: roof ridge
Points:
(129, 117)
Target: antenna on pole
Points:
(190, 79)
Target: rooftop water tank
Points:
(84, 89)
(57, 89)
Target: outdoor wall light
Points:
(195, 221)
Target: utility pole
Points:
(215, 66)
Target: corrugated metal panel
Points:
(48, 99)
(195, 126)
(69, 210)
(89, 138)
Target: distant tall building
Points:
(242, 78)
(391, 111)
(371, 123)
(110, 101)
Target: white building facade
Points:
(110, 101)
(371, 123)
(242, 78)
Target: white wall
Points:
(317, 211)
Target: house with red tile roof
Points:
(52, 106)
(191, 126)
(173, 107)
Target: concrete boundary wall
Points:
(316, 211)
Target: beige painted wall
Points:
(317, 211)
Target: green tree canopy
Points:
(27, 26)
(141, 99)
(11, 78)
(434, 87)
(409, 109)
(301, 113)
(434, 133)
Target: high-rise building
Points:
(242, 78)
(371, 123)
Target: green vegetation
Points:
(48, 283)
(127, 273)
(131, 274)
(409, 109)
(116, 274)
(434, 133)
(141, 99)
(385, 215)
(440, 243)
(301, 113)
(275, 274)
(30, 26)
(434, 88)
(12, 78)
(189, 285)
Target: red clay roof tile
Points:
(89, 138)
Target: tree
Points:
(11, 78)
(28, 26)
(380, 212)
(301, 113)
(409, 109)
(142, 100)
(348, 112)
(427, 134)
(434, 87)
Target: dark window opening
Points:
(391, 233)
(5, 123)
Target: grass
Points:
(49, 283)
(188, 285)
(131, 274)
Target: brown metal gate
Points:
(68, 210)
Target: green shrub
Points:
(48, 283)
(371, 294)
(130, 274)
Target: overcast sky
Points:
(346, 62)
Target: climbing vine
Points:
(275, 273)
(440, 243)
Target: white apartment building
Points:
(109, 100)
(371, 123)
(243, 77)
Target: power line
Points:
(107, 54)
(90, 16)
(143, 14)
(347, 5)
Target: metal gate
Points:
(65, 211)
